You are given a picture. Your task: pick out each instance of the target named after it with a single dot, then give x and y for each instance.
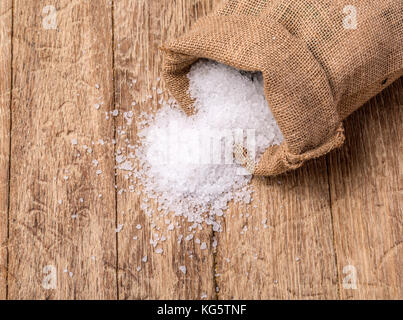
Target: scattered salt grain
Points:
(215, 243)
(183, 269)
(120, 158)
(203, 246)
(138, 227)
(159, 250)
(119, 228)
(245, 228)
(144, 259)
(126, 166)
(74, 142)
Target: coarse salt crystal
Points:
(183, 269)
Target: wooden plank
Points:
(58, 77)
(286, 249)
(5, 89)
(140, 28)
(366, 180)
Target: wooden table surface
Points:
(334, 227)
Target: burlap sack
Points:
(318, 66)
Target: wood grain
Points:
(56, 75)
(294, 241)
(139, 29)
(5, 90)
(284, 248)
(367, 191)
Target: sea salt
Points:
(183, 269)
(186, 162)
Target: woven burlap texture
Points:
(318, 67)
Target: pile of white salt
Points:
(186, 163)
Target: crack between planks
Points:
(333, 232)
(115, 146)
(9, 148)
(215, 283)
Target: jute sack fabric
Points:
(320, 59)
